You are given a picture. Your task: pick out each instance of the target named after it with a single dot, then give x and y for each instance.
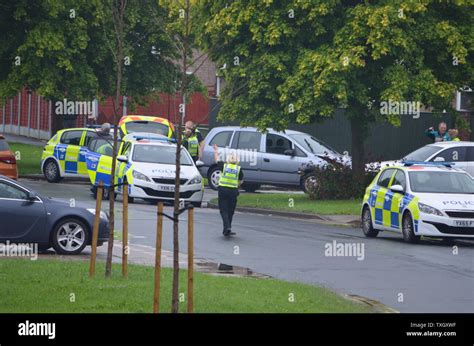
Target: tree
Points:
(82, 49)
(300, 60)
(185, 16)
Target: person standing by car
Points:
(228, 190)
(438, 136)
(453, 134)
(192, 140)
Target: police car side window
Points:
(453, 154)
(399, 179)
(221, 139)
(71, 137)
(384, 179)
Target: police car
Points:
(65, 153)
(147, 163)
(420, 199)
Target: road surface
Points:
(426, 277)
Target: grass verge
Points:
(28, 157)
(297, 203)
(47, 286)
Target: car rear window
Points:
(4, 145)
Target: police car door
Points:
(383, 200)
(67, 151)
(99, 166)
(398, 200)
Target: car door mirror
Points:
(199, 163)
(397, 188)
(122, 158)
(439, 159)
(31, 195)
(289, 152)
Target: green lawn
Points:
(46, 286)
(298, 203)
(28, 157)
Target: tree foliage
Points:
(300, 60)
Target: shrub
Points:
(337, 181)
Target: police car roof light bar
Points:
(424, 163)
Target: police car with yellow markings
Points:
(65, 154)
(147, 163)
(420, 199)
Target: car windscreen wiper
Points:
(309, 146)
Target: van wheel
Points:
(407, 229)
(51, 171)
(213, 177)
(367, 226)
(309, 183)
(250, 187)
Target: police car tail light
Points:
(196, 180)
(140, 176)
(424, 208)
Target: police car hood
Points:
(164, 171)
(447, 201)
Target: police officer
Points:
(229, 183)
(192, 140)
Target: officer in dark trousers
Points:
(229, 182)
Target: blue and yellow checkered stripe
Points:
(388, 207)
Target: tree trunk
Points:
(118, 12)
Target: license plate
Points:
(166, 188)
(464, 223)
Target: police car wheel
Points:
(407, 229)
(213, 178)
(367, 226)
(70, 237)
(51, 171)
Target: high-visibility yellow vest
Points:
(193, 145)
(230, 176)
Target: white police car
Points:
(420, 199)
(148, 165)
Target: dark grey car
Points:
(26, 217)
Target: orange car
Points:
(8, 165)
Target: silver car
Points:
(460, 153)
(272, 158)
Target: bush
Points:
(337, 181)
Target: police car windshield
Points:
(159, 154)
(311, 144)
(441, 182)
(422, 154)
(147, 126)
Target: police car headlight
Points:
(196, 180)
(140, 176)
(103, 215)
(429, 210)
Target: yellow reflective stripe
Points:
(228, 178)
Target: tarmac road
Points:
(426, 277)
